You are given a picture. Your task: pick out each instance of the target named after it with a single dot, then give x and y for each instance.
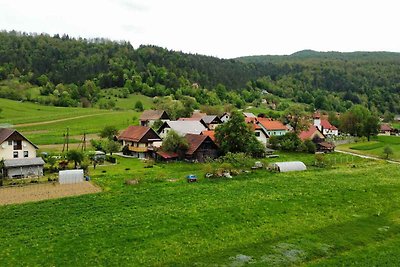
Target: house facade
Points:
(201, 148)
(19, 155)
(325, 126)
(273, 128)
(139, 141)
(225, 117)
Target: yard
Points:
(375, 147)
(346, 214)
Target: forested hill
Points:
(311, 55)
(66, 60)
(69, 70)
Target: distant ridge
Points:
(311, 55)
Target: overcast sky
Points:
(221, 28)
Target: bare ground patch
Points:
(16, 195)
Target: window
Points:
(257, 134)
(15, 154)
(26, 154)
(18, 145)
(10, 142)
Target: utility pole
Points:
(67, 138)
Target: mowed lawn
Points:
(375, 147)
(348, 214)
(47, 125)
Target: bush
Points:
(111, 159)
(310, 147)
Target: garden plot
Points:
(16, 195)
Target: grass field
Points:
(346, 215)
(375, 147)
(47, 124)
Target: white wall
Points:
(7, 151)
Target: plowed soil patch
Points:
(15, 195)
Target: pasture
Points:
(346, 214)
(45, 125)
(375, 147)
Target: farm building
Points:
(22, 168)
(201, 147)
(288, 166)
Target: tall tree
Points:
(109, 132)
(236, 136)
(296, 116)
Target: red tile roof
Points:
(211, 134)
(386, 127)
(167, 155)
(134, 133)
(308, 134)
(271, 125)
(327, 125)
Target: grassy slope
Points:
(93, 119)
(375, 148)
(334, 216)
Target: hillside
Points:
(311, 55)
(71, 72)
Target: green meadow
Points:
(375, 147)
(47, 124)
(347, 214)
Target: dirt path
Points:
(37, 192)
(59, 120)
(365, 156)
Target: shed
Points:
(26, 167)
(289, 166)
(70, 176)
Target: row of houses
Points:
(199, 130)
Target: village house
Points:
(323, 124)
(181, 127)
(273, 128)
(19, 155)
(201, 147)
(386, 129)
(259, 131)
(148, 117)
(139, 141)
(211, 121)
(318, 138)
(225, 117)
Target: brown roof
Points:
(5, 133)
(271, 125)
(151, 115)
(195, 141)
(134, 133)
(198, 115)
(327, 145)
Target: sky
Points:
(221, 28)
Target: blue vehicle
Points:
(191, 178)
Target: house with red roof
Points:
(139, 141)
(272, 127)
(386, 129)
(324, 125)
(314, 134)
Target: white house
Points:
(273, 128)
(19, 155)
(325, 126)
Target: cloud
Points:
(132, 5)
